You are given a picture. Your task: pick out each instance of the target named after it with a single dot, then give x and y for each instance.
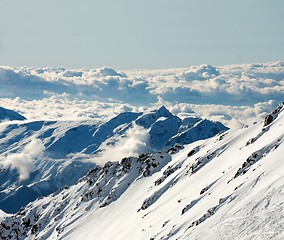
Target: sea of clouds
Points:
(233, 94)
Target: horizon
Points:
(135, 70)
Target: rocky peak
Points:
(164, 112)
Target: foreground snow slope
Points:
(228, 187)
(39, 157)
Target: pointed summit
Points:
(163, 112)
(147, 119)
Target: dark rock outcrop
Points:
(272, 116)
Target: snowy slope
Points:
(7, 114)
(39, 157)
(228, 187)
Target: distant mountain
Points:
(230, 186)
(7, 114)
(40, 157)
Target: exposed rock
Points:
(273, 115)
(175, 149)
(268, 119)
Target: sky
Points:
(135, 34)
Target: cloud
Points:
(233, 94)
(34, 148)
(244, 84)
(201, 73)
(95, 84)
(134, 142)
(22, 161)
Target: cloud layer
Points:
(234, 94)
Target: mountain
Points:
(39, 157)
(7, 114)
(227, 187)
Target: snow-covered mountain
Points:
(39, 157)
(227, 187)
(7, 114)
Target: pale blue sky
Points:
(128, 34)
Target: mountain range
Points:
(39, 157)
(229, 186)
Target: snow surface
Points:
(235, 94)
(230, 186)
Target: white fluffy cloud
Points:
(234, 94)
(133, 143)
(22, 161)
(239, 84)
